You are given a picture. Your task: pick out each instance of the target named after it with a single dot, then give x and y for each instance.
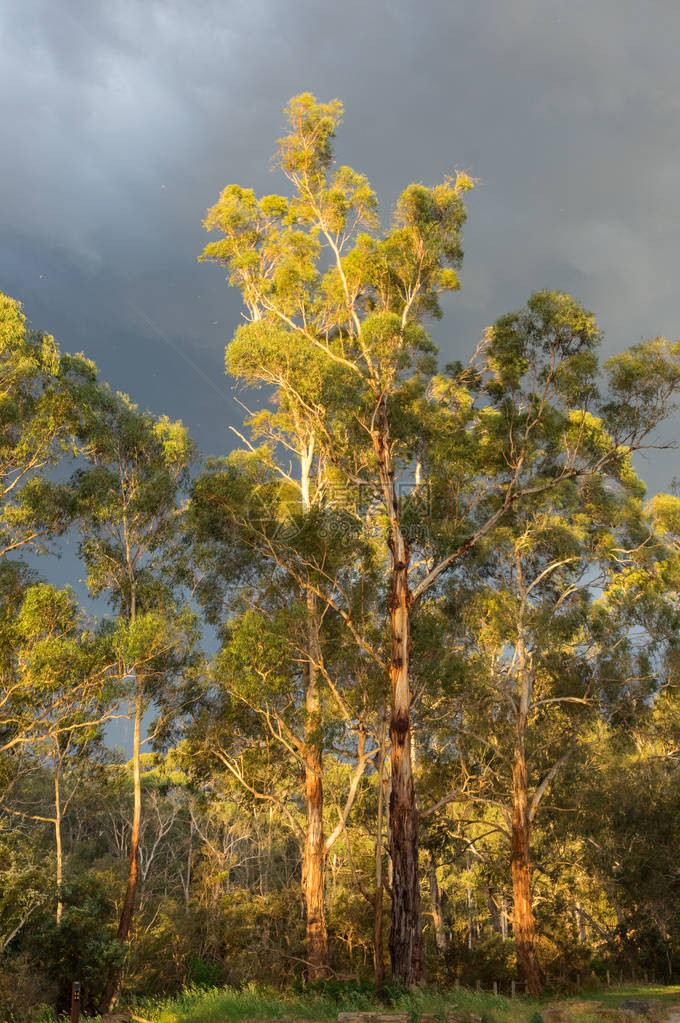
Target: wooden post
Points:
(578, 981)
(75, 1001)
(512, 988)
(609, 982)
(478, 985)
(457, 983)
(495, 987)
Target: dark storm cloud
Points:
(122, 121)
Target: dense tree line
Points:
(406, 654)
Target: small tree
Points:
(292, 669)
(544, 662)
(55, 696)
(129, 522)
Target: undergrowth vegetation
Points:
(323, 1001)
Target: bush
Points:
(491, 960)
(24, 992)
(82, 947)
(204, 974)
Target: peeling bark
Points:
(378, 946)
(314, 858)
(314, 855)
(524, 928)
(406, 941)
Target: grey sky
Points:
(121, 121)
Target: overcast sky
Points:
(121, 122)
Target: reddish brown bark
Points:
(524, 926)
(378, 947)
(406, 941)
(314, 858)
(314, 854)
(406, 948)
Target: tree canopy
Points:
(408, 650)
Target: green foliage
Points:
(544, 602)
(38, 424)
(55, 677)
(127, 497)
(83, 945)
(203, 974)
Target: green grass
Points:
(257, 1003)
(227, 1005)
(613, 996)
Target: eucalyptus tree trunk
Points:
(314, 855)
(378, 949)
(57, 832)
(110, 996)
(128, 909)
(406, 941)
(523, 922)
(436, 900)
(314, 858)
(494, 912)
(470, 907)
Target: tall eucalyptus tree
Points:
(334, 323)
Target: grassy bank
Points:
(613, 996)
(254, 1004)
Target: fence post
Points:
(75, 1001)
(512, 988)
(478, 985)
(495, 987)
